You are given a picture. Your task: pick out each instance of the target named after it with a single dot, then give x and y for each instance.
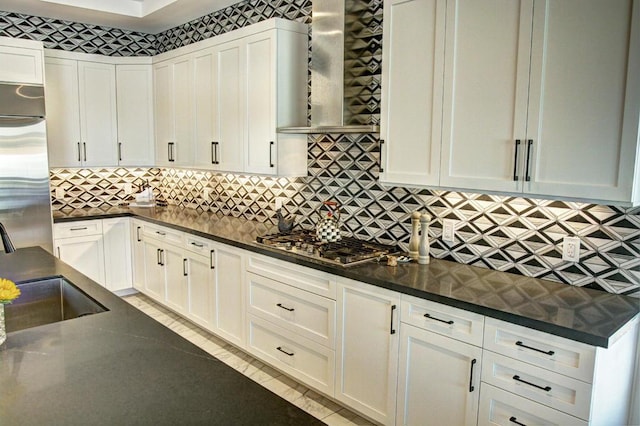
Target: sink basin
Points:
(47, 301)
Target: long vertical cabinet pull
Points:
(170, 149)
(471, 387)
(527, 176)
(84, 148)
(158, 257)
(119, 151)
(215, 150)
(213, 153)
(381, 151)
(59, 255)
(515, 161)
(185, 272)
(138, 233)
(211, 256)
(392, 330)
(79, 153)
(271, 154)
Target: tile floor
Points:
(280, 384)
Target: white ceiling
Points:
(148, 16)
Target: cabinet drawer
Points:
(299, 311)
(456, 323)
(302, 277)
(546, 387)
(307, 361)
(573, 359)
(498, 407)
(163, 234)
(198, 244)
(77, 229)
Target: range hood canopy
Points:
(328, 103)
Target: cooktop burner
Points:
(348, 251)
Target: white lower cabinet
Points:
(175, 278)
(137, 254)
(116, 234)
(367, 349)
(85, 253)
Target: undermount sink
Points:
(47, 301)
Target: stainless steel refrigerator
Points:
(25, 205)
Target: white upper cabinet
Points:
(230, 93)
(134, 87)
(22, 61)
(173, 109)
(412, 76)
(98, 113)
(219, 125)
(539, 97)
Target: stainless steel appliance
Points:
(25, 206)
(346, 252)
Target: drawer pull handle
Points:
(513, 419)
(519, 343)
(197, 244)
(450, 322)
(518, 379)
(392, 330)
(471, 387)
(160, 233)
(78, 229)
(285, 352)
(279, 305)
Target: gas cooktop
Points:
(346, 252)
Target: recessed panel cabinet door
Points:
(412, 74)
(229, 294)
(200, 283)
(63, 112)
(98, 113)
(486, 80)
(85, 253)
(585, 91)
(163, 102)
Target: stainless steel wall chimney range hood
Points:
(329, 112)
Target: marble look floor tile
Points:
(278, 383)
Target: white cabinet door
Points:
(176, 272)
(20, 64)
(367, 349)
(583, 104)
(173, 98)
(200, 285)
(229, 294)
(98, 113)
(138, 259)
(219, 107)
(116, 234)
(85, 253)
(261, 104)
(485, 99)
(412, 74)
(63, 112)
(154, 269)
(134, 84)
(439, 379)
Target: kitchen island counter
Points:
(119, 367)
(581, 314)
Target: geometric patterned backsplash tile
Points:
(77, 37)
(512, 234)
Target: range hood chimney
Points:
(328, 110)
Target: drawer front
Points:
(77, 229)
(163, 234)
(554, 353)
(498, 407)
(298, 311)
(197, 244)
(317, 282)
(543, 386)
(301, 358)
(456, 323)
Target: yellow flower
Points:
(8, 291)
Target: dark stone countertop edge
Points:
(352, 273)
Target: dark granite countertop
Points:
(119, 367)
(584, 315)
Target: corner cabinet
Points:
(368, 327)
(223, 99)
(539, 97)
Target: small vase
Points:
(3, 331)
